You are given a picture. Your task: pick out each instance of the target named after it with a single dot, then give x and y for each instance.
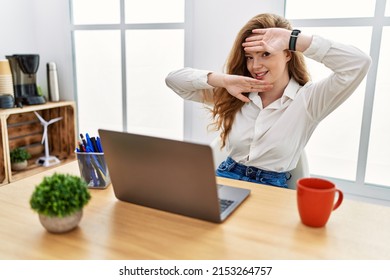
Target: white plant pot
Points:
(17, 166)
(61, 225)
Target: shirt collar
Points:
(291, 90)
(254, 97)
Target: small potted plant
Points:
(19, 157)
(59, 200)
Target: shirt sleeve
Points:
(191, 84)
(349, 66)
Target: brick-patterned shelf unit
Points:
(20, 127)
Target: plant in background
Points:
(60, 195)
(19, 155)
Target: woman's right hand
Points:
(236, 85)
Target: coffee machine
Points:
(24, 68)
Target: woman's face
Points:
(269, 67)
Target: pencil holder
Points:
(93, 169)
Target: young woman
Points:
(265, 105)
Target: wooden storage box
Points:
(22, 128)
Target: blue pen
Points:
(99, 145)
(89, 142)
(96, 159)
(91, 170)
(88, 149)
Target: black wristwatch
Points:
(293, 39)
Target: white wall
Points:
(41, 27)
(213, 26)
(54, 43)
(16, 27)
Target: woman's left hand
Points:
(267, 40)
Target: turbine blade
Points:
(54, 120)
(39, 117)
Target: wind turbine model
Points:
(47, 160)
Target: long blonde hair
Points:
(225, 105)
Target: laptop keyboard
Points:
(224, 204)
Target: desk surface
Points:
(266, 226)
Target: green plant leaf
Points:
(60, 195)
(19, 155)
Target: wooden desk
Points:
(266, 226)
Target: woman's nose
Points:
(257, 64)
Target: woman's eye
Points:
(266, 54)
(249, 57)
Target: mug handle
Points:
(339, 199)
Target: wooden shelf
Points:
(20, 127)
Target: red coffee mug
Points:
(315, 199)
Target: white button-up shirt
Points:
(273, 138)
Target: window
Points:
(334, 146)
(351, 146)
(123, 49)
(378, 163)
(331, 9)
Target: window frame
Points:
(122, 26)
(359, 189)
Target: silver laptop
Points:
(169, 175)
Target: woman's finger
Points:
(259, 31)
(251, 44)
(254, 38)
(242, 97)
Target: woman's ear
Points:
(288, 55)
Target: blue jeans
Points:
(234, 170)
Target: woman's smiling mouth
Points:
(261, 75)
